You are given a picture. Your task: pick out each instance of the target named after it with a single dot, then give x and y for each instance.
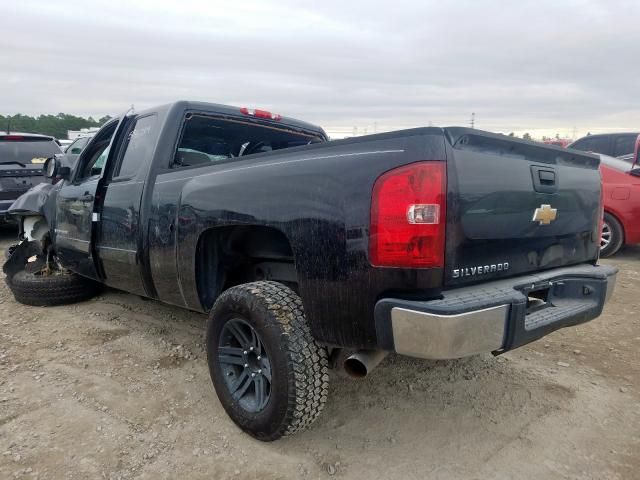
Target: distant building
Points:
(83, 132)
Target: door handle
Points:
(87, 197)
(547, 177)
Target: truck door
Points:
(75, 204)
(120, 230)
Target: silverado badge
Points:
(545, 214)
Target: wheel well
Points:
(232, 255)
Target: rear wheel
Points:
(612, 236)
(268, 371)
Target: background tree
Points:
(54, 125)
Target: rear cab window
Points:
(206, 140)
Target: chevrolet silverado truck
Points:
(309, 254)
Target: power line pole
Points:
(473, 120)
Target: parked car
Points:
(431, 242)
(22, 156)
(64, 143)
(559, 142)
(621, 189)
(611, 144)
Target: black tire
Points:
(58, 288)
(612, 236)
(297, 365)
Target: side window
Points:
(624, 145)
(93, 157)
(141, 138)
(76, 147)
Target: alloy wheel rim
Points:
(605, 239)
(245, 365)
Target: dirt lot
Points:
(117, 387)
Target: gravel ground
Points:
(117, 387)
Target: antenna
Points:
(8, 125)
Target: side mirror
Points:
(76, 151)
(635, 171)
(52, 169)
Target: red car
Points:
(621, 185)
(559, 142)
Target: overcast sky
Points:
(536, 66)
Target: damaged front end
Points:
(35, 212)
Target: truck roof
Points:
(217, 108)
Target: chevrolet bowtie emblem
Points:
(545, 214)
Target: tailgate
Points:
(516, 207)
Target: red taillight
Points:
(408, 213)
(260, 113)
(13, 137)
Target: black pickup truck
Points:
(310, 254)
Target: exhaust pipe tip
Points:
(355, 368)
(362, 362)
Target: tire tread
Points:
(307, 360)
(48, 290)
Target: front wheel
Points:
(269, 373)
(47, 289)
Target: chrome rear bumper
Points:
(422, 334)
(495, 316)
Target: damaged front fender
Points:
(39, 200)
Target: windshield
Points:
(27, 151)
